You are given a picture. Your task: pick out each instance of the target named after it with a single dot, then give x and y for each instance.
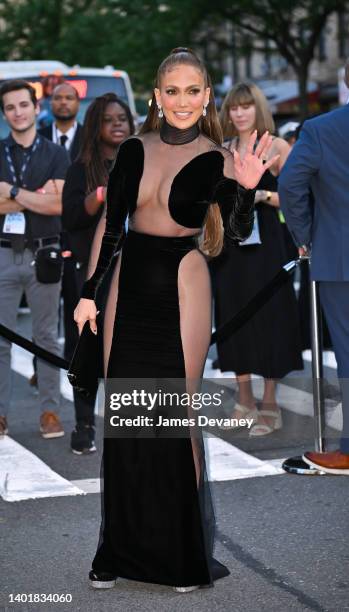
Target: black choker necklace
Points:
(175, 136)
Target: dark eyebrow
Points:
(189, 86)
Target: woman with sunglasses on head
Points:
(108, 122)
(173, 180)
(269, 344)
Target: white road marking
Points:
(226, 462)
(223, 461)
(24, 476)
(88, 485)
(290, 398)
(328, 358)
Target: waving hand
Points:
(249, 170)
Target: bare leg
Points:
(245, 391)
(269, 396)
(245, 396)
(269, 401)
(194, 292)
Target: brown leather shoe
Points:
(334, 462)
(3, 426)
(50, 425)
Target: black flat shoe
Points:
(102, 580)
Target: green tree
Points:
(135, 35)
(294, 26)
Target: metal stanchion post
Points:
(317, 367)
(296, 465)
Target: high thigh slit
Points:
(157, 512)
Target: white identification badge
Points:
(255, 236)
(14, 223)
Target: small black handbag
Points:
(86, 366)
(48, 264)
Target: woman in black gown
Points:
(157, 520)
(269, 344)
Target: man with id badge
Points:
(32, 173)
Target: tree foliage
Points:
(294, 26)
(134, 36)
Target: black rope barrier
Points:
(261, 298)
(228, 328)
(36, 350)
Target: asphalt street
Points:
(283, 537)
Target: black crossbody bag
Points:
(48, 264)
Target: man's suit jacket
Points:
(75, 146)
(319, 162)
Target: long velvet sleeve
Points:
(237, 208)
(116, 213)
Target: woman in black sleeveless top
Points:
(269, 344)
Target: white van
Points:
(90, 82)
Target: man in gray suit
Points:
(319, 162)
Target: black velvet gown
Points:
(157, 516)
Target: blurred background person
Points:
(48, 83)
(289, 132)
(269, 344)
(32, 173)
(107, 123)
(318, 165)
(65, 130)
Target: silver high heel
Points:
(187, 589)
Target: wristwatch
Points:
(14, 192)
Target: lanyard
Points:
(26, 159)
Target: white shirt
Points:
(56, 135)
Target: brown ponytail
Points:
(213, 230)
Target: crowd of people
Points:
(66, 193)
(52, 195)
(265, 346)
